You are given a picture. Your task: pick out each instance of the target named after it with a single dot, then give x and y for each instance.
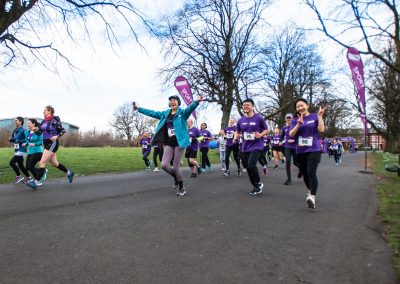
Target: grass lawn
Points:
(389, 196)
(90, 161)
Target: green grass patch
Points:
(389, 207)
(90, 161)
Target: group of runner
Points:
(247, 139)
(39, 143)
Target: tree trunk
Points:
(392, 143)
(226, 113)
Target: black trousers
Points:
(17, 163)
(250, 160)
(289, 153)
(31, 161)
(308, 166)
(145, 156)
(204, 157)
(235, 149)
(157, 152)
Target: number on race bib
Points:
(249, 136)
(229, 135)
(305, 141)
(144, 146)
(16, 146)
(171, 132)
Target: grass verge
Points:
(389, 206)
(90, 161)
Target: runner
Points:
(231, 147)
(17, 161)
(204, 147)
(276, 147)
(240, 142)
(158, 151)
(145, 142)
(172, 132)
(253, 128)
(191, 151)
(52, 130)
(336, 150)
(34, 144)
(305, 129)
(263, 159)
(222, 149)
(289, 147)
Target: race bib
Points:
(16, 146)
(249, 136)
(265, 144)
(276, 142)
(222, 147)
(144, 146)
(305, 141)
(229, 135)
(190, 139)
(171, 132)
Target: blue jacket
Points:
(18, 138)
(179, 122)
(34, 139)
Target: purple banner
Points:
(357, 71)
(183, 87)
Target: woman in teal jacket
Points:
(34, 143)
(173, 134)
(17, 161)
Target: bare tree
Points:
(129, 123)
(27, 27)
(373, 22)
(212, 43)
(292, 69)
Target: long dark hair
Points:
(295, 103)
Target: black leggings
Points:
(289, 153)
(157, 152)
(337, 156)
(18, 160)
(263, 159)
(308, 166)
(31, 161)
(146, 158)
(204, 157)
(250, 160)
(235, 149)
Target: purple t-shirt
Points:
(194, 133)
(248, 126)
(307, 137)
(52, 130)
(230, 133)
(205, 141)
(287, 141)
(266, 140)
(275, 140)
(146, 144)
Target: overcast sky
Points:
(110, 78)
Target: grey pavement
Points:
(132, 228)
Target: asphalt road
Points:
(132, 228)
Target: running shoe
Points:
(70, 176)
(288, 182)
(265, 170)
(181, 192)
(18, 179)
(258, 189)
(28, 180)
(311, 201)
(239, 172)
(203, 170)
(32, 184)
(253, 191)
(193, 175)
(156, 169)
(44, 177)
(227, 173)
(148, 169)
(276, 166)
(39, 183)
(244, 170)
(209, 168)
(223, 170)
(199, 171)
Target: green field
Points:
(89, 161)
(389, 205)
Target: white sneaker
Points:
(18, 179)
(244, 170)
(156, 169)
(311, 201)
(223, 170)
